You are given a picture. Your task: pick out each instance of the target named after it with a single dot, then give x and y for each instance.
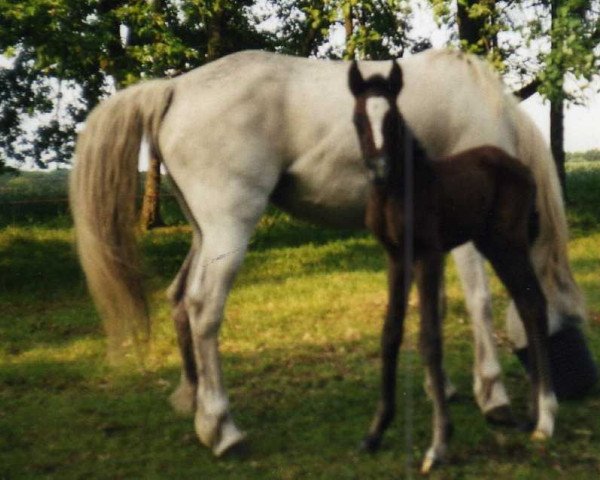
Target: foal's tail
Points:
(550, 249)
(102, 192)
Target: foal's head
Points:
(377, 119)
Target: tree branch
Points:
(528, 90)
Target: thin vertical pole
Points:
(408, 267)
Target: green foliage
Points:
(374, 29)
(65, 55)
(76, 49)
(574, 35)
(587, 156)
(564, 36)
(380, 31)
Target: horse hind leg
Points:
(515, 269)
(183, 399)
(489, 390)
(223, 249)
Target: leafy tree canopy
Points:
(83, 49)
(536, 41)
(64, 55)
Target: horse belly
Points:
(336, 201)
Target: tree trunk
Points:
(150, 217)
(557, 132)
(349, 28)
(215, 33)
(557, 141)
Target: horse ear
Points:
(395, 80)
(355, 79)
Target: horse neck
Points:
(422, 167)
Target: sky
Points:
(582, 123)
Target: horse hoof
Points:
(183, 399)
(370, 444)
(433, 458)
(427, 466)
(539, 436)
(231, 443)
(526, 426)
(431, 461)
(451, 393)
(501, 416)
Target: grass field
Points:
(300, 349)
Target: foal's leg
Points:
(489, 390)
(449, 388)
(428, 270)
(514, 268)
(391, 338)
(183, 399)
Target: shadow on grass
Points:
(43, 294)
(42, 267)
(305, 410)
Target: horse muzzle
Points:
(379, 168)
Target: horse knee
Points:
(204, 302)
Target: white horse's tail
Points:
(550, 249)
(102, 192)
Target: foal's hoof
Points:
(501, 416)
(540, 436)
(370, 444)
(432, 459)
(428, 465)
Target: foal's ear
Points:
(355, 80)
(395, 81)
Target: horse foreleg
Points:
(183, 399)
(391, 339)
(428, 270)
(488, 387)
(449, 388)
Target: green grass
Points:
(300, 353)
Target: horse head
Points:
(377, 119)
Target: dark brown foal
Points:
(481, 195)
